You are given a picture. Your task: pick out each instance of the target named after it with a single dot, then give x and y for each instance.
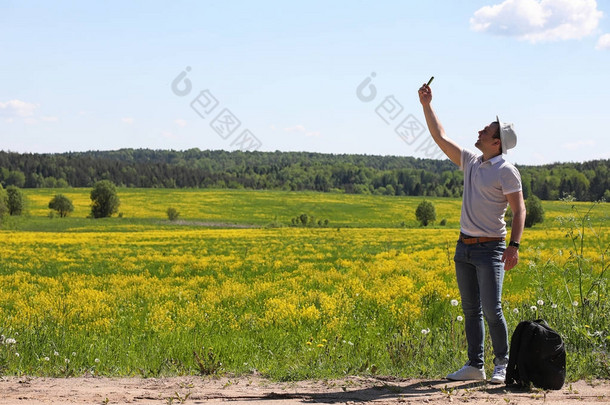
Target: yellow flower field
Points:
(141, 297)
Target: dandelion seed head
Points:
(46, 358)
(55, 353)
(516, 311)
(10, 341)
(459, 318)
(540, 302)
(454, 303)
(425, 331)
(575, 303)
(554, 306)
(534, 308)
(67, 361)
(96, 360)
(17, 354)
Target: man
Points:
(481, 255)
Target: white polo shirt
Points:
(485, 187)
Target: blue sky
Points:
(81, 76)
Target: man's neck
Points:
(485, 157)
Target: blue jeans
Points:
(480, 273)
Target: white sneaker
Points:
(468, 373)
(499, 375)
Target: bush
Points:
(425, 213)
(172, 214)
(104, 199)
(62, 204)
(15, 200)
(443, 222)
(534, 211)
(306, 220)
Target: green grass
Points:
(144, 207)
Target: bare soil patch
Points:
(255, 390)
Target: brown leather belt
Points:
(470, 240)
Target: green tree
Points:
(3, 202)
(534, 211)
(16, 178)
(15, 200)
(425, 213)
(172, 214)
(104, 199)
(62, 204)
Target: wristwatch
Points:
(513, 243)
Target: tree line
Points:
(360, 174)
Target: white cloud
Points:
(180, 122)
(127, 120)
(578, 144)
(603, 42)
(539, 20)
(296, 128)
(17, 108)
(301, 129)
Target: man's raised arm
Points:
(451, 149)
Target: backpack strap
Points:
(512, 370)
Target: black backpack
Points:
(537, 356)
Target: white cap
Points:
(508, 137)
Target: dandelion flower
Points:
(454, 303)
(459, 318)
(308, 343)
(534, 308)
(540, 302)
(324, 340)
(320, 345)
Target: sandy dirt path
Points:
(255, 390)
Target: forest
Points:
(296, 171)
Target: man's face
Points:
(486, 142)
